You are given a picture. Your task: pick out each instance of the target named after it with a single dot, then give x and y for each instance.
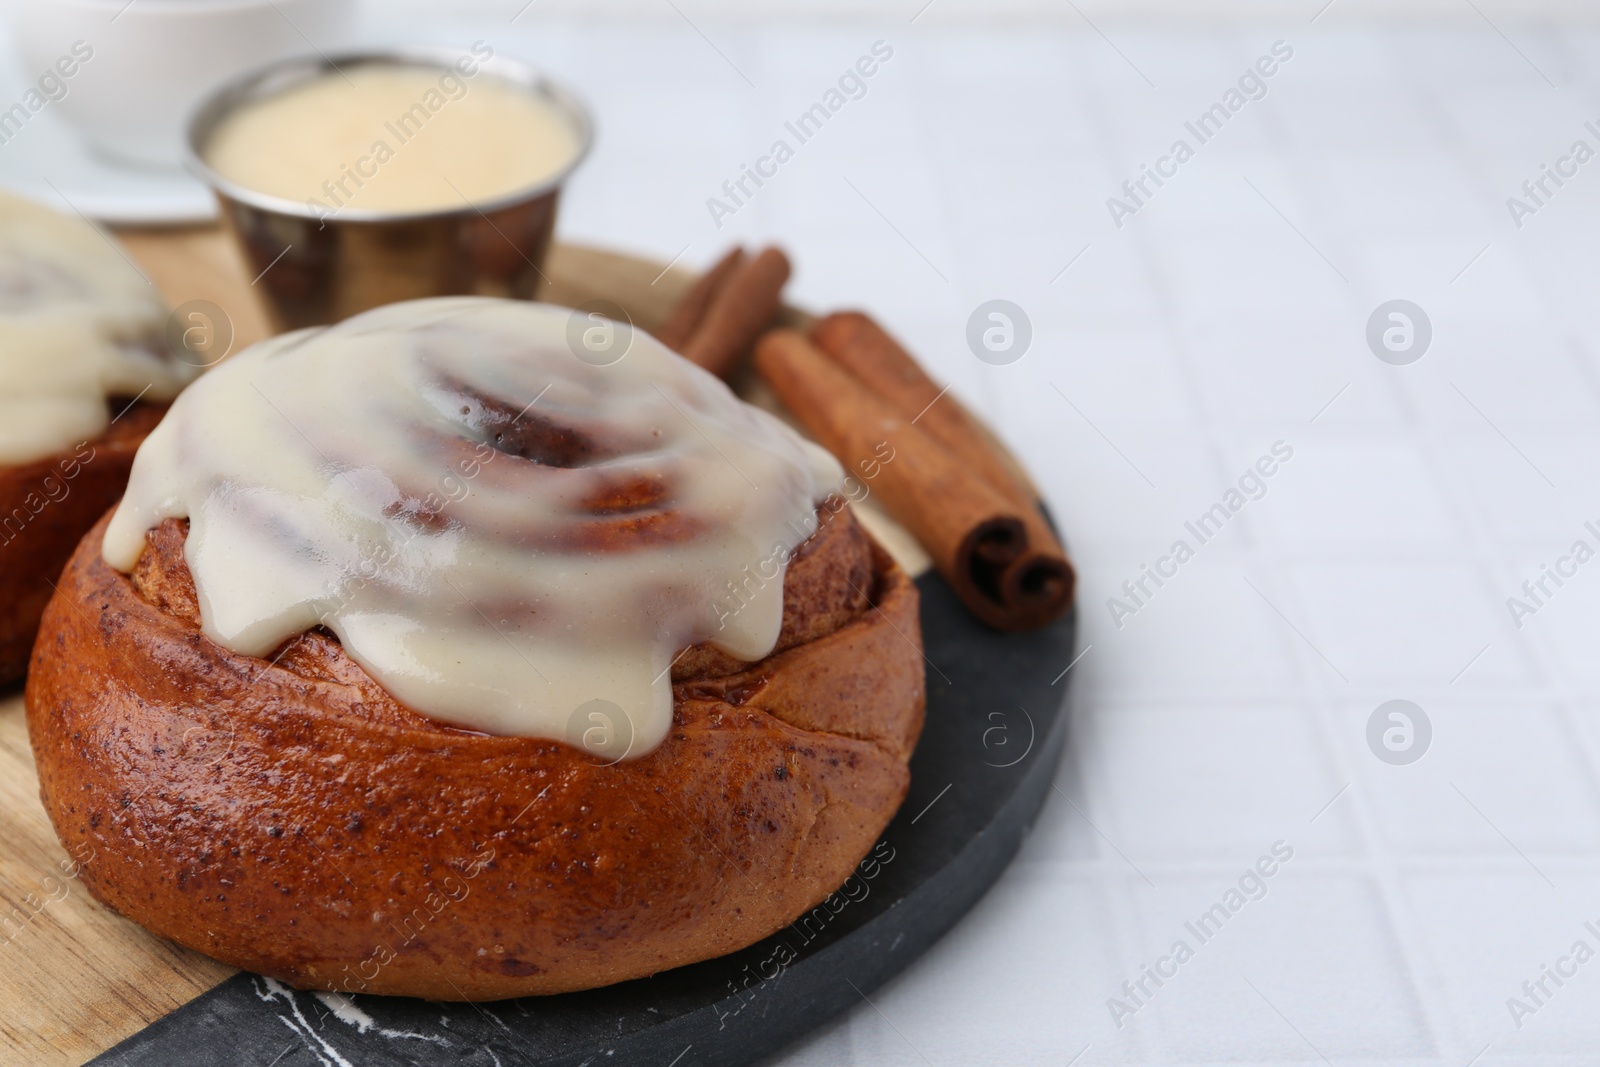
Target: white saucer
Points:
(49, 162)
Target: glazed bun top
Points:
(78, 324)
(499, 530)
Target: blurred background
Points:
(1116, 10)
(1242, 307)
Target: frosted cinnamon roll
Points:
(80, 340)
(497, 530)
(431, 594)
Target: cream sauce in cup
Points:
(396, 138)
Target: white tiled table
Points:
(1229, 314)
(1229, 712)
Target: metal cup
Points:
(316, 267)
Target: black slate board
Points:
(979, 776)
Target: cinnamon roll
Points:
(434, 656)
(80, 339)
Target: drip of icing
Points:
(78, 324)
(500, 532)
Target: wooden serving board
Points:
(75, 978)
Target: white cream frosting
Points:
(78, 324)
(347, 476)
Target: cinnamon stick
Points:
(866, 350)
(1039, 581)
(680, 326)
(743, 305)
(971, 530)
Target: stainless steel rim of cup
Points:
(274, 78)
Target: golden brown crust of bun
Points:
(46, 506)
(292, 819)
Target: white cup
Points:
(137, 68)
